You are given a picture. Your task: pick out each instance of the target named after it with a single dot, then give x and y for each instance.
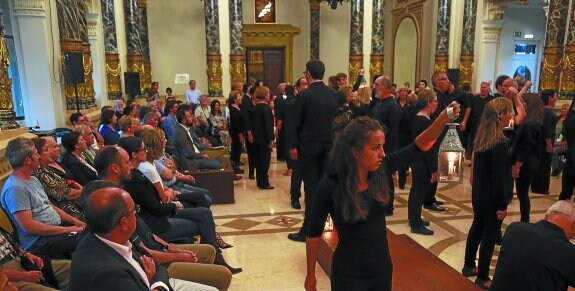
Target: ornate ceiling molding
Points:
(30, 8)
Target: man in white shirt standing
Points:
(193, 95)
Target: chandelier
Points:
(333, 3)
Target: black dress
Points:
(361, 260)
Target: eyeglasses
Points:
(136, 210)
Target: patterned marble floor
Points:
(258, 224)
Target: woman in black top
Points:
(525, 153)
(568, 143)
(489, 172)
(408, 113)
(355, 193)
(423, 168)
(73, 160)
(236, 127)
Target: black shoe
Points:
(540, 192)
(295, 204)
(267, 187)
(469, 271)
(297, 236)
(425, 223)
(388, 212)
(242, 163)
(252, 177)
(237, 177)
(483, 283)
(439, 202)
(434, 207)
(239, 171)
(422, 230)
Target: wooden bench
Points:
(414, 267)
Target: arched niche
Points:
(407, 15)
(405, 52)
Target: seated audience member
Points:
(203, 113)
(119, 107)
(151, 118)
(89, 153)
(191, 156)
(109, 129)
(538, 256)
(171, 123)
(143, 110)
(78, 118)
(115, 166)
(106, 260)
(73, 160)
(219, 124)
(128, 125)
(169, 93)
(43, 229)
(30, 272)
(65, 194)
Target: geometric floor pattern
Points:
(258, 223)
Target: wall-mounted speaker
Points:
(74, 67)
(132, 83)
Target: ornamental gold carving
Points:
(237, 69)
(551, 68)
(113, 71)
(376, 65)
(355, 64)
(465, 69)
(214, 72)
(440, 63)
(568, 68)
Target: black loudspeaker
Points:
(453, 75)
(74, 67)
(132, 83)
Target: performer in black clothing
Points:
(246, 109)
(538, 256)
(490, 167)
(309, 135)
(388, 112)
(354, 193)
(236, 127)
(263, 135)
(476, 105)
(296, 178)
(279, 113)
(525, 153)
(540, 182)
(424, 167)
(405, 124)
(568, 143)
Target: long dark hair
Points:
(352, 204)
(533, 108)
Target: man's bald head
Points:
(562, 214)
(104, 206)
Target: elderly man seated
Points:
(538, 256)
(43, 228)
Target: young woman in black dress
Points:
(489, 173)
(355, 193)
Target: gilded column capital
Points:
(314, 4)
(492, 30)
(30, 8)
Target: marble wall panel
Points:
(356, 28)
(132, 27)
(109, 25)
(212, 26)
(469, 17)
(443, 18)
(236, 26)
(377, 27)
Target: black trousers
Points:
(420, 188)
(262, 153)
(236, 151)
(295, 181)
(281, 151)
(522, 184)
(541, 179)
(567, 185)
(252, 159)
(484, 231)
(60, 246)
(312, 163)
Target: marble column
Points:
(377, 37)
(145, 43)
(89, 92)
(135, 59)
(70, 28)
(442, 36)
(314, 29)
(568, 64)
(7, 114)
(113, 69)
(554, 41)
(237, 55)
(355, 40)
(213, 57)
(467, 43)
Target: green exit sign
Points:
(517, 34)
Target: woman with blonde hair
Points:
(360, 104)
(490, 171)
